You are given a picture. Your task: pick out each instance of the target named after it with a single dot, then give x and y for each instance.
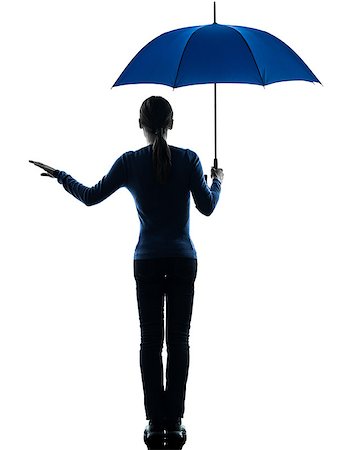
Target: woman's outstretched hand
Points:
(49, 171)
(217, 173)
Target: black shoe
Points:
(154, 436)
(176, 435)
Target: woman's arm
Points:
(114, 179)
(205, 198)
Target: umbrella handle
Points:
(215, 167)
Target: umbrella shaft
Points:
(215, 106)
(215, 110)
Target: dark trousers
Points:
(172, 280)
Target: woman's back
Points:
(163, 209)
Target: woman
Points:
(160, 178)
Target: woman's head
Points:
(156, 117)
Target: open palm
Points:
(49, 171)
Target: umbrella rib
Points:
(185, 47)
(253, 57)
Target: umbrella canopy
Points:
(215, 54)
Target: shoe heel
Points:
(175, 440)
(155, 441)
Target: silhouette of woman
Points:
(160, 178)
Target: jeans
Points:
(172, 280)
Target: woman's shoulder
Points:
(184, 152)
(136, 154)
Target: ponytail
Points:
(156, 116)
(161, 157)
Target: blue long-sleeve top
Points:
(163, 209)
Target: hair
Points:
(156, 117)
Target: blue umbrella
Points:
(215, 54)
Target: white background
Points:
(263, 371)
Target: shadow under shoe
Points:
(154, 436)
(175, 436)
